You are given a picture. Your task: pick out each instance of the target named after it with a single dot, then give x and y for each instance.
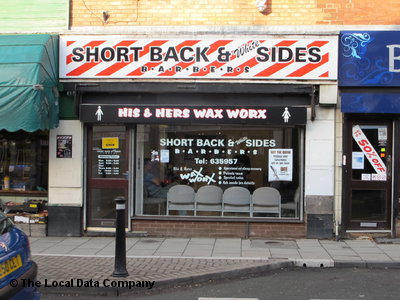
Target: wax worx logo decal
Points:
(197, 176)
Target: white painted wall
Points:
(66, 174)
(320, 152)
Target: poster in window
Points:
(280, 165)
(164, 156)
(64, 146)
(357, 160)
(109, 142)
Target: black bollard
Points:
(120, 242)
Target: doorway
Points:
(367, 175)
(107, 173)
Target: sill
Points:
(218, 219)
(23, 193)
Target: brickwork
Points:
(172, 228)
(227, 12)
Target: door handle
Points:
(389, 166)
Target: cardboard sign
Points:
(369, 151)
(109, 143)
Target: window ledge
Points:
(23, 193)
(218, 219)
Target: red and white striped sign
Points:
(268, 58)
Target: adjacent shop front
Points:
(28, 110)
(370, 100)
(205, 137)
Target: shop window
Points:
(24, 160)
(174, 157)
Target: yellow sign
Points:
(109, 143)
(10, 265)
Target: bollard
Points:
(120, 242)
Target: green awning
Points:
(28, 82)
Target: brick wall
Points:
(228, 12)
(188, 228)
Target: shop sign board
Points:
(369, 58)
(266, 57)
(276, 115)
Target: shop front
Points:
(199, 139)
(28, 110)
(369, 85)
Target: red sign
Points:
(370, 152)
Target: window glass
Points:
(108, 159)
(225, 156)
(24, 160)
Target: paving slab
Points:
(342, 252)
(365, 250)
(105, 252)
(226, 254)
(173, 260)
(287, 244)
(360, 243)
(54, 239)
(60, 249)
(140, 252)
(145, 246)
(202, 241)
(84, 251)
(308, 242)
(90, 245)
(313, 255)
(374, 257)
(197, 254)
(259, 254)
(41, 248)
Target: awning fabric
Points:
(28, 82)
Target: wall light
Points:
(106, 16)
(262, 5)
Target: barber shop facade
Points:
(203, 137)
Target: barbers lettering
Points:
(229, 155)
(217, 142)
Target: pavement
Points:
(84, 265)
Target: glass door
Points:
(367, 175)
(107, 173)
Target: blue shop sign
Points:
(369, 58)
(378, 103)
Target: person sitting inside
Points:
(152, 183)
